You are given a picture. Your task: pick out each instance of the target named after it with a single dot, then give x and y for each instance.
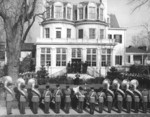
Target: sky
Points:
(125, 17)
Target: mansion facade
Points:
(78, 33)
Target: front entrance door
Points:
(76, 60)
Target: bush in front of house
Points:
(114, 74)
(139, 69)
(42, 76)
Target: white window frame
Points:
(93, 13)
(58, 15)
(106, 53)
(45, 52)
(61, 53)
(92, 35)
(92, 55)
(59, 29)
(47, 32)
(70, 13)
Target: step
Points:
(82, 76)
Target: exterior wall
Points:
(75, 42)
(119, 49)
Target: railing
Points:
(59, 73)
(74, 40)
(92, 72)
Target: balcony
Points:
(74, 41)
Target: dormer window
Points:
(92, 13)
(81, 13)
(68, 13)
(101, 14)
(47, 12)
(58, 12)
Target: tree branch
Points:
(140, 3)
(29, 27)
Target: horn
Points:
(76, 89)
(7, 79)
(31, 83)
(125, 84)
(115, 83)
(20, 82)
(134, 83)
(106, 83)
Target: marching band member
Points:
(101, 97)
(23, 99)
(137, 94)
(57, 98)
(9, 94)
(144, 100)
(119, 93)
(47, 98)
(81, 96)
(109, 94)
(35, 99)
(67, 99)
(92, 100)
(129, 94)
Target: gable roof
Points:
(135, 50)
(113, 21)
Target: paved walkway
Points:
(16, 113)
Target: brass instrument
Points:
(106, 85)
(135, 84)
(8, 79)
(20, 82)
(31, 83)
(117, 85)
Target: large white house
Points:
(79, 32)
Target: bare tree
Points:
(18, 17)
(138, 4)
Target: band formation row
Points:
(122, 95)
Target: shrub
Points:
(42, 76)
(113, 74)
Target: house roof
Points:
(135, 50)
(28, 47)
(113, 21)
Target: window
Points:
(92, 14)
(80, 13)
(91, 57)
(76, 52)
(101, 14)
(68, 33)
(58, 32)
(68, 13)
(47, 12)
(101, 33)
(118, 38)
(118, 60)
(106, 57)
(45, 57)
(109, 36)
(61, 57)
(58, 12)
(92, 33)
(47, 33)
(80, 33)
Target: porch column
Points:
(53, 57)
(84, 54)
(69, 54)
(98, 64)
(38, 58)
